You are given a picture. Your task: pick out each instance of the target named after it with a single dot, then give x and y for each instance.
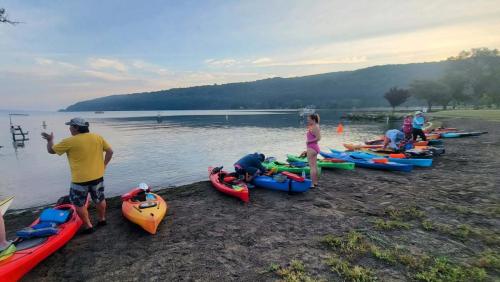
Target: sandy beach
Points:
(450, 210)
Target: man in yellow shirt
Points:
(87, 163)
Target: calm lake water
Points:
(172, 151)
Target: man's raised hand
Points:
(48, 137)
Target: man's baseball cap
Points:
(418, 113)
(77, 121)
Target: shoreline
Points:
(16, 212)
(451, 209)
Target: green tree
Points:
(444, 94)
(396, 96)
(476, 53)
(456, 82)
(433, 92)
(474, 76)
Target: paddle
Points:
(293, 176)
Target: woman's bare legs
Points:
(312, 158)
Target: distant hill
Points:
(359, 88)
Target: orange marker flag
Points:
(340, 128)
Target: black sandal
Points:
(89, 230)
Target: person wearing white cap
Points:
(418, 124)
(87, 163)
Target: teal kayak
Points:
(460, 134)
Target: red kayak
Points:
(222, 181)
(31, 252)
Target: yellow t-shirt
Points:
(85, 156)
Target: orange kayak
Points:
(144, 208)
(432, 136)
(441, 130)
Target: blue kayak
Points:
(288, 185)
(415, 162)
(364, 163)
(460, 134)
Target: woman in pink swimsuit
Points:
(313, 136)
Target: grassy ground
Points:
(491, 115)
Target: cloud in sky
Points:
(102, 63)
(221, 63)
(69, 51)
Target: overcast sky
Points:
(67, 51)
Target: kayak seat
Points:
(147, 205)
(139, 197)
(229, 179)
(142, 196)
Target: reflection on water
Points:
(173, 151)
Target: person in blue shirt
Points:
(250, 166)
(393, 138)
(418, 124)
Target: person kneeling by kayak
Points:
(250, 166)
(393, 139)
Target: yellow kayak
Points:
(144, 208)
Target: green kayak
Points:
(287, 167)
(322, 163)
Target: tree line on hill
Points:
(336, 90)
(472, 78)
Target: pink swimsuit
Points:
(313, 145)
